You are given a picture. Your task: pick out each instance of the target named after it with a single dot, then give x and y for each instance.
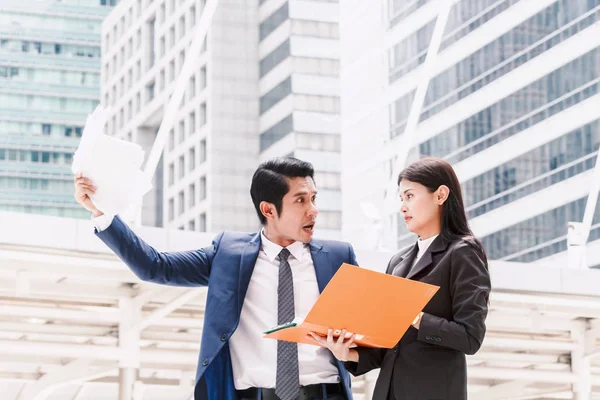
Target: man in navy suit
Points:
(255, 282)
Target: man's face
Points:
(298, 214)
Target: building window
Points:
(46, 129)
(202, 224)
(192, 159)
(162, 47)
(202, 151)
(273, 21)
(171, 139)
(182, 26)
(171, 209)
(163, 13)
(192, 88)
(181, 167)
(171, 174)
(149, 92)
(192, 225)
(275, 95)
(202, 114)
(172, 37)
(181, 202)
(330, 220)
(181, 131)
(202, 78)
(151, 33)
(202, 188)
(276, 132)
(172, 71)
(192, 195)
(192, 15)
(192, 127)
(274, 58)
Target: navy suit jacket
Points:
(226, 267)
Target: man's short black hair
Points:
(269, 184)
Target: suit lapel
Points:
(439, 244)
(402, 268)
(247, 263)
(322, 264)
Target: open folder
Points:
(378, 308)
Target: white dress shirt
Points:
(254, 358)
(423, 246)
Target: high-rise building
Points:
(266, 85)
(203, 180)
(513, 103)
(299, 94)
(49, 82)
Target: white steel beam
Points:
(172, 107)
(407, 139)
(75, 371)
(502, 391)
(170, 307)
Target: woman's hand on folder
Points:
(340, 347)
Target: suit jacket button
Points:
(205, 362)
(224, 338)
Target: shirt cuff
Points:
(102, 222)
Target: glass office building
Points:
(49, 82)
(513, 104)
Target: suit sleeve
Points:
(351, 255)
(183, 268)
(470, 288)
(368, 359)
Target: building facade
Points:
(299, 95)
(49, 82)
(266, 85)
(513, 104)
(203, 180)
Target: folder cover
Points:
(377, 307)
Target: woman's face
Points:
(422, 209)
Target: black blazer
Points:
(430, 363)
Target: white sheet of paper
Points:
(113, 165)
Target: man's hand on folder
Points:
(341, 348)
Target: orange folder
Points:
(378, 308)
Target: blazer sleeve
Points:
(368, 359)
(183, 268)
(351, 255)
(470, 288)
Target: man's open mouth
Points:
(309, 228)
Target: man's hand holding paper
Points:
(112, 179)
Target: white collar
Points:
(272, 250)
(424, 244)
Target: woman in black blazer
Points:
(429, 361)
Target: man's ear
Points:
(268, 210)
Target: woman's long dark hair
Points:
(432, 173)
